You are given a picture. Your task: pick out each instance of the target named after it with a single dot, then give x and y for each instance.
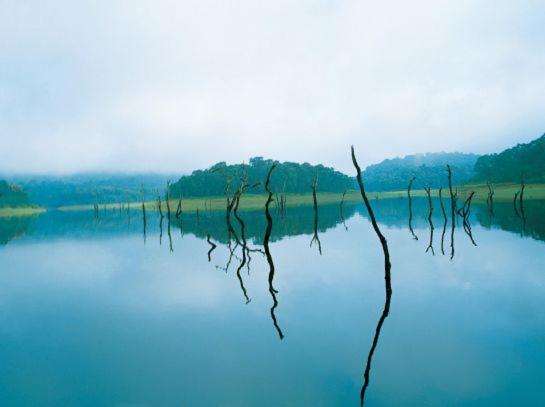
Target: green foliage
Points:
(12, 196)
(288, 177)
(429, 169)
(80, 189)
(524, 161)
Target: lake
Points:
(94, 312)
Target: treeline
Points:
(289, 177)
(12, 196)
(87, 188)
(522, 162)
(429, 170)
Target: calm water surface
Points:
(91, 313)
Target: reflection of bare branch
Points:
(444, 220)
(244, 249)
(341, 208)
(453, 196)
(490, 199)
(144, 219)
(409, 187)
(213, 246)
(268, 230)
(387, 277)
(167, 199)
(430, 221)
(521, 203)
(515, 203)
(315, 237)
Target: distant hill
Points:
(12, 196)
(86, 188)
(522, 161)
(429, 169)
(288, 176)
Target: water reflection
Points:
(283, 310)
(383, 316)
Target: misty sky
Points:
(177, 85)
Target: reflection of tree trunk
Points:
(315, 237)
(144, 219)
(453, 196)
(409, 187)
(167, 198)
(387, 277)
(268, 230)
(521, 202)
(430, 221)
(490, 199)
(212, 247)
(444, 220)
(465, 212)
(160, 209)
(341, 207)
(179, 207)
(515, 203)
(244, 249)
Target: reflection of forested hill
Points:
(11, 228)
(298, 220)
(505, 218)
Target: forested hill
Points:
(429, 170)
(288, 177)
(524, 161)
(87, 188)
(12, 196)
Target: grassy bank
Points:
(217, 203)
(257, 201)
(503, 192)
(22, 211)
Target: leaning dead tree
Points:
(430, 220)
(268, 255)
(453, 197)
(315, 237)
(409, 187)
(387, 277)
(445, 220)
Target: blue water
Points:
(90, 314)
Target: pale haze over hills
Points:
(172, 86)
